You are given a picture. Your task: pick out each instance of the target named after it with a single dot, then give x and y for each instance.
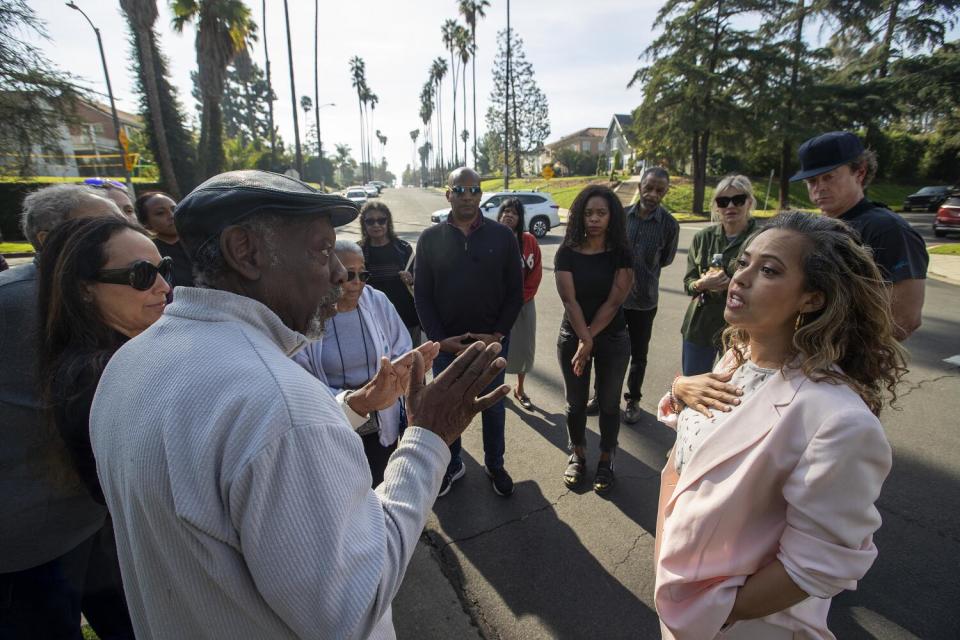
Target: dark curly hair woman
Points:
(594, 274)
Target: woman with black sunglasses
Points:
(390, 263)
(710, 264)
(101, 282)
(365, 329)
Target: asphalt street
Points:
(554, 563)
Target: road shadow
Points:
(912, 589)
(552, 585)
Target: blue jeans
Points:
(493, 418)
(697, 358)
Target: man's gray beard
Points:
(318, 322)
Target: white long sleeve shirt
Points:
(239, 492)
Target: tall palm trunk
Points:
(473, 77)
(463, 79)
(362, 138)
(293, 94)
(453, 125)
(316, 83)
(266, 56)
(142, 14)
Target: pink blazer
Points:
(792, 475)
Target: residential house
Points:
(619, 137)
(589, 140)
(94, 138)
(87, 145)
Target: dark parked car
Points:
(927, 198)
(948, 217)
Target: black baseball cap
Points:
(826, 152)
(229, 198)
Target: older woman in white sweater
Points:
(366, 328)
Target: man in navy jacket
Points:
(469, 287)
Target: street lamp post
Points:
(113, 106)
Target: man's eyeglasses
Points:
(461, 190)
(738, 200)
(372, 221)
(102, 183)
(141, 276)
(362, 275)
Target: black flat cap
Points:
(229, 198)
(826, 152)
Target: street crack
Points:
(630, 551)
(506, 523)
(918, 385)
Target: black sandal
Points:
(524, 401)
(604, 480)
(575, 469)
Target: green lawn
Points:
(563, 190)
(946, 250)
(58, 179)
(15, 247)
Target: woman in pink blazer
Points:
(767, 506)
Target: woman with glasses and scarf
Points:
(390, 263)
(711, 262)
(101, 282)
(366, 329)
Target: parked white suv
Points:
(540, 212)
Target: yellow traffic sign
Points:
(130, 160)
(124, 140)
(547, 172)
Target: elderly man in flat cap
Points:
(837, 170)
(240, 493)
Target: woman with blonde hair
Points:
(767, 505)
(710, 263)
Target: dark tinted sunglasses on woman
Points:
(141, 275)
(738, 200)
(363, 276)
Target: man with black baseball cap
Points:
(837, 170)
(240, 492)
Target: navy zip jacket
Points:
(468, 283)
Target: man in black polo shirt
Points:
(469, 287)
(837, 170)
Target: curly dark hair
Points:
(616, 239)
(517, 206)
(382, 208)
(140, 205)
(854, 330)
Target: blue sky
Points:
(583, 53)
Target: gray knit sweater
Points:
(240, 494)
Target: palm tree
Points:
(370, 101)
(266, 62)
(359, 82)
(426, 116)
(465, 51)
(414, 134)
(306, 103)
(224, 28)
(471, 10)
(342, 158)
(439, 70)
(293, 93)
(449, 32)
(316, 82)
(142, 15)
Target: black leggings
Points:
(611, 353)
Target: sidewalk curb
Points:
(945, 268)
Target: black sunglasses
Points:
(461, 190)
(738, 200)
(141, 276)
(362, 275)
(372, 221)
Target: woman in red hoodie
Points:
(523, 336)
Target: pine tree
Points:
(529, 110)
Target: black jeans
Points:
(640, 326)
(45, 602)
(610, 357)
(377, 456)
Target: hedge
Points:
(11, 204)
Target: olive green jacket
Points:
(703, 324)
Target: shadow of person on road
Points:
(552, 585)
